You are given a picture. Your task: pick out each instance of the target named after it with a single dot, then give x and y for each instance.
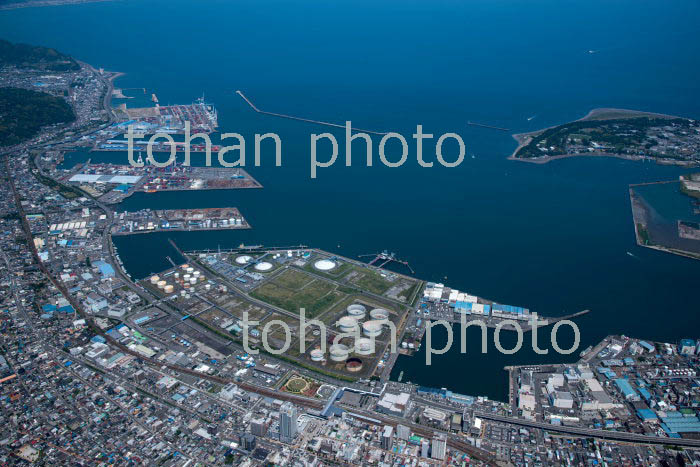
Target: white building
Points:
(439, 447)
(288, 422)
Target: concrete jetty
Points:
(307, 120)
(483, 125)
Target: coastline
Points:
(110, 88)
(601, 113)
(640, 215)
(43, 3)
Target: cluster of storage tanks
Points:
(347, 324)
(162, 284)
(188, 278)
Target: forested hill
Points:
(24, 112)
(30, 56)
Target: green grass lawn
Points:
(293, 279)
(293, 290)
(371, 281)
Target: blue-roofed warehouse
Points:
(646, 415)
(675, 423)
(105, 269)
(626, 389)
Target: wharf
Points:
(202, 117)
(492, 321)
(118, 145)
(173, 220)
(112, 183)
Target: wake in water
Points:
(633, 256)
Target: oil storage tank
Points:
(372, 328)
(357, 311)
(339, 352)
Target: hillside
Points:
(24, 112)
(30, 56)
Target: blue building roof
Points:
(645, 393)
(105, 269)
(676, 422)
(625, 387)
(646, 414)
(509, 309)
(647, 346)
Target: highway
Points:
(592, 433)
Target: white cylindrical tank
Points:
(193, 280)
(316, 355)
(185, 266)
(207, 287)
(364, 346)
(357, 311)
(339, 352)
(322, 265)
(379, 314)
(245, 259)
(347, 324)
(372, 328)
(197, 273)
(263, 266)
(177, 274)
(154, 279)
(186, 277)
(161, 284)
(169, 288)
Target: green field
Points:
(371, 281)
(292, 279)
(294, 289)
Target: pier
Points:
(301, 119)
(661, 182)
(385, 258)
(492, 321)
(483, 125)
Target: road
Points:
(592, 433)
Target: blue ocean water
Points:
(553, 237)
